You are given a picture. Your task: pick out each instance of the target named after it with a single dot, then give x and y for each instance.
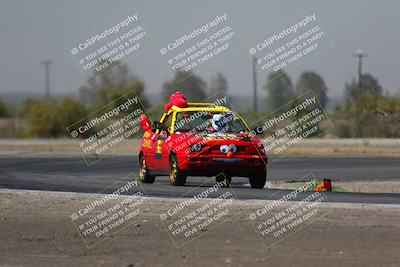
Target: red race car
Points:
(200, 139)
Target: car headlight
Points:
(195, 148)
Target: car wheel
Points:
(175, 175)
(258, 180)
(221, 178)
(144, 176)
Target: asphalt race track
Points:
(71, 174)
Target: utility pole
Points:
(46, 65)
(360, 54)
(254, 84)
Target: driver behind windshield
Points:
(211, 122)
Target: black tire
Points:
(175, 176)
(144, 176)
(221, 178)
(258, 180)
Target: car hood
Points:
(225, 137)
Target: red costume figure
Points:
(177, 99)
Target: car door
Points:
(158, 156)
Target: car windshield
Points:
(200, 121)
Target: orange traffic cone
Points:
(320, 187)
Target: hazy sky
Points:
(34, 30)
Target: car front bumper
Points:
(214, 164)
